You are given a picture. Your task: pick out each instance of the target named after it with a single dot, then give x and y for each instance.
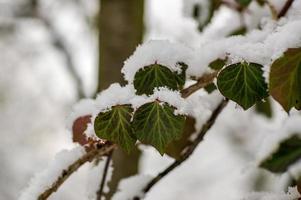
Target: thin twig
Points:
(189, 150)
(89, 156)
(104, 176)
(202, 82)
(285, 8)
(59, 43)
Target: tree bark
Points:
(120, 31)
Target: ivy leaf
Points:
(210, 9)
(289, 152)
(210, 88)
(156, 124)
(152, 76)
(218, 64)
(175, 148)
(285, 79)
(115, 125)
(243, 3)
(243, 83)
(181, 78)
(264, 108)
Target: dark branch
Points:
(189, 150)
(89, 156)
(104, 176)
(59, 43)
(285, 8)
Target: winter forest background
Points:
(56, 52)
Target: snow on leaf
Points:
(153, 76)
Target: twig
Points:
(104, 176)
(189, 150)
(203, 81)
(89, 156)
(59, 43)
(285, 8)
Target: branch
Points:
(104, 176)
(100, 150)
(59, 43)
(189, 150)
(202, 82)
(285, 8)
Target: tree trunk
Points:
(120, 31)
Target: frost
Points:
(157, 51)
(46, 178)
(292, 194)
(131, 187)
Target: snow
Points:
(204, 6)
(82, 108)
(292, 194)
(46, 178)
(95, 177)
(130, 187)
(291, 126)
(162, 52)
(114, 95)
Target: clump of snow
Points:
(46, 178)
(295, 170)
(291, 126)
(82, 108)
(292, 194)
(114, 95)
(173, 98)
(157, 51)
(131, 187)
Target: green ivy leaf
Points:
(176, 147)
(285, 79)
(289, 152)
(243, 83)
(243, 3)
(156, 124)
(210, 88)
(264, 108)
(240, 31)
(115, 125)
(213, 6)
(181, 78)
(218, 64)
(152, 76)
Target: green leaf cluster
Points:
(153, 123)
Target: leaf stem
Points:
(202, 82)
(104, 176)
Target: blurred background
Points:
(55, 52)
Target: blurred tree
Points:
(120, 31)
